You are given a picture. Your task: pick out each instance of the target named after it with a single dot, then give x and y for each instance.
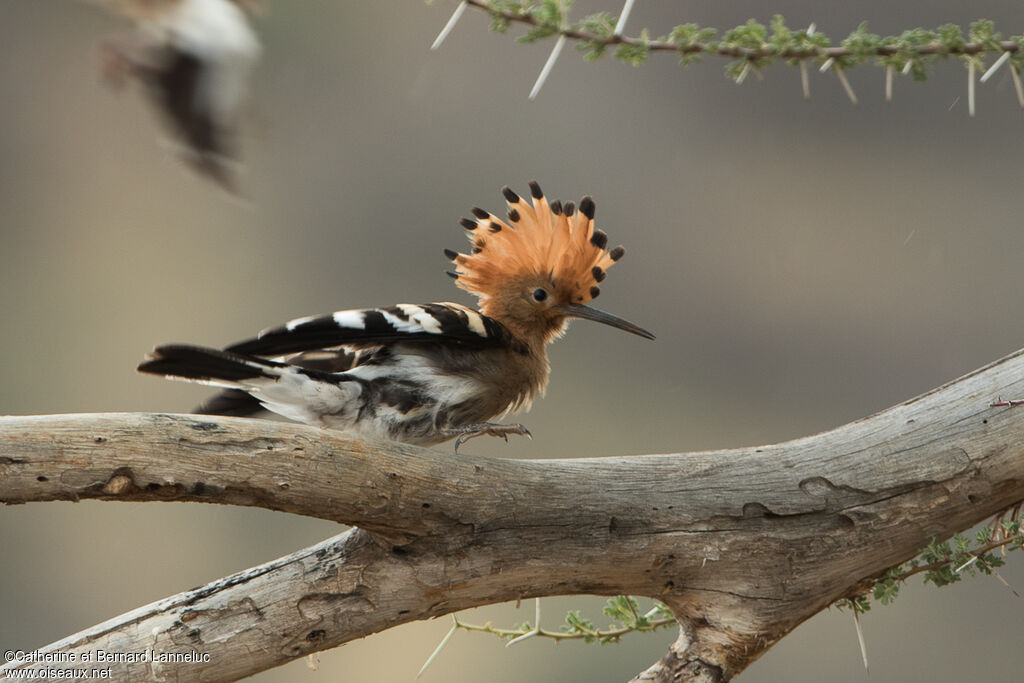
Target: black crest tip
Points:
(598, 274)
(556, 207)
(510, 196)
(595, 292)
(468, 224)
(495, 226)
(535, 190)
(452, 275)
(617, 253)
(599, 239)
(513, 215)
(452, 255)
(587, 207)
(570, 209)
(480, 213)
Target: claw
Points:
(467, 432)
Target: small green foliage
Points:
(782, 38)
(576, 624)
(550, 18)
(623, 610)
(950, 38)
(945, 563)
(500, 8)
(886, 590)
(1017, 58)
(984, 33)
(635, 54)
(858, 603)
(691, 40)
(862, 45)
(750, 37)
(602, 26)
(908, 46)
(549, 24)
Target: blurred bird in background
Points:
(194, 59)
(427, 373)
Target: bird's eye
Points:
(540, 294)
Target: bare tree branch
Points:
(742, 544)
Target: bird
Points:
(194, 59)
(426, 373)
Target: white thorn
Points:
(456, 15)
(743, 74)
(907, 67)
(621, 25)
(1017, 85)
(437, 650)
(846, 85)
(860, 638)
(804, 80)
(1003, 581)
(519, 639)
(965, 565)
(827, 65)
(888, 82)
(548, 65)
(970, 86)
(995, 65)
(535, 631)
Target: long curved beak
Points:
(588, 313)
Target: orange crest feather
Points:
(544, 240)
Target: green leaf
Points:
(602, 25)
(861, 44)
(886, 591)
(635, 54)
(951, 38)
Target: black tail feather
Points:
(201, 363)
(231, 402)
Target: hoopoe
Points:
(427, 373)
(194, 58)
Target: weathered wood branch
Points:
(742, 544)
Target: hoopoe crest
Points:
(540, 268)
(431, 372)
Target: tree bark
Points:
(742, 544)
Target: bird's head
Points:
(540, 268)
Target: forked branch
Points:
(743, 545)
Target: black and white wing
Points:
(319, 346)
(362, 328)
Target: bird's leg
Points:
(467, 432)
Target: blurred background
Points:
(803, 263)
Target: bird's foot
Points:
(467, 432)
